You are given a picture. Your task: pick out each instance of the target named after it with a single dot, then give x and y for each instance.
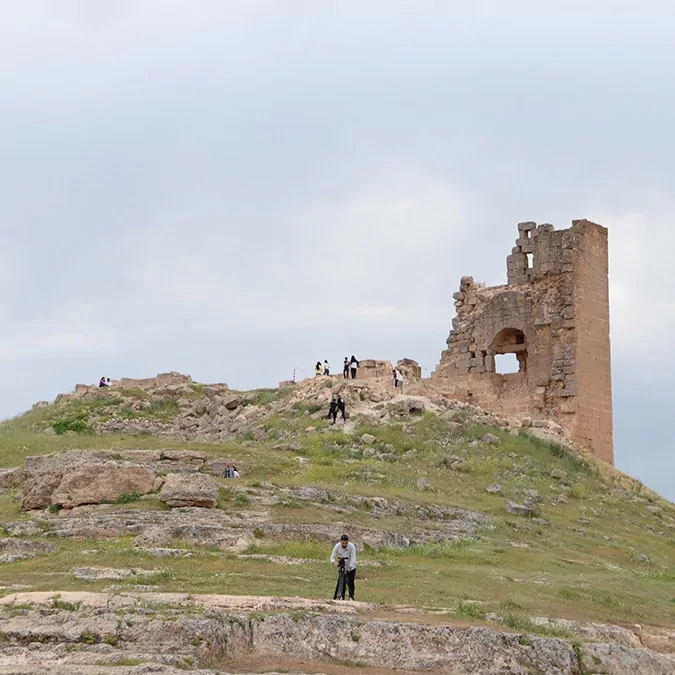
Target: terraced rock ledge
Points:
(46, 632)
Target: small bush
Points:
(128, 498)
(525, 641)
(469, 610)
(77, 424)
(242, 499)
(54, 508)
(88, 638)
(66, 606)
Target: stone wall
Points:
(553, 315)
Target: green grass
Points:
(592, 575)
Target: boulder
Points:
(38, 489)
(424, 484)
(231, 401)
(190, 490)
(491, 439)
(368, 439)
(494, 489)
(11, 478)
(104, 482)
(558, 474)
(521, 509)
(414, 406)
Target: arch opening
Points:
(510, 350)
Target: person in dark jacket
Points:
(333, 410)
(341, 407)
(353, 365)
(345, 369)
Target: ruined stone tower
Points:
(554, 316)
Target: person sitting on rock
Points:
(230, 470)
(108, 383)
(318, 370)
(345, 369)
(326, 367)
(345, 549)
(102, 382)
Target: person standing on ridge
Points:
(353, 365)
(345, 369)
(326, 367)
(345, 550)
(398, 379)
(318, 370)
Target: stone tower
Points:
(553, 314)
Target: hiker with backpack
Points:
(344, 556)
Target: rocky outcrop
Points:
(100, 483)
(190, 490)
(12, 550)
(188, 630)
(37, 492)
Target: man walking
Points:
(346, 551)
(353, 365)
(341, 407)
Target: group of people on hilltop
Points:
(322, 369)
(349, 366)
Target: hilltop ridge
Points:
(461, 517)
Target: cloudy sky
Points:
(234, 188)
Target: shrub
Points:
(76, 423)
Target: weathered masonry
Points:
(554, 316)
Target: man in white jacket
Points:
(345, 549)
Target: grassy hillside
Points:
(595, 547)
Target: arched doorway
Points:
(510, 341)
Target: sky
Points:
(237, 188)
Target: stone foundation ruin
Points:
(553, 315)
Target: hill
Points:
(496, 544)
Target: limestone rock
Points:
(368, 439)
(414, 406)
(424, 484)
(38, 489)
(231, 401)
(521, 509)
(105, 482)
(10, 478)
(190, 490)
(491, 439)
(494, 489)
(558, 474)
